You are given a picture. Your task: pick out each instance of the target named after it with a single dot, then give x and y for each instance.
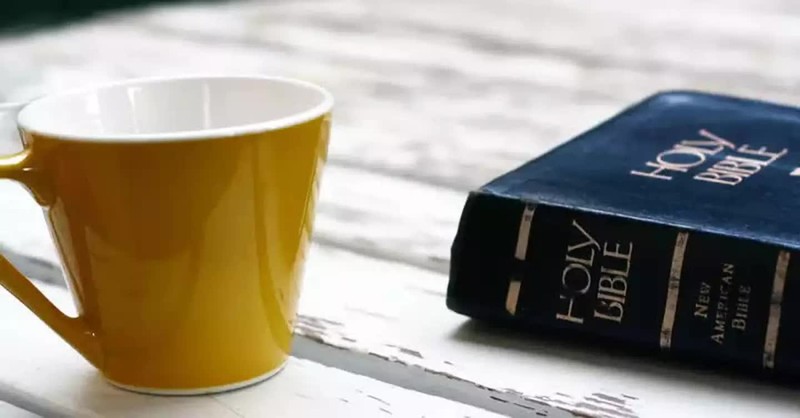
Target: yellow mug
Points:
(182, 210)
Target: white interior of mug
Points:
(167, 109)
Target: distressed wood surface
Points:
(433, 99)
(10, 411)
(46, 377)
(422, 96)
(357, 310)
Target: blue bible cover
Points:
(673, 226)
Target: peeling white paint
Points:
(429, 106)
(45, 375)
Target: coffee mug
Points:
(182, 210)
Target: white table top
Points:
(11, 411)
(429, 106)
(45, 376)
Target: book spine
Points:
(640, 283)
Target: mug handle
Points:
(75, 331)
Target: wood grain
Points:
(10, 411)
(447, 103)
(374, 309)
(44, 375)
(397, 313)
(505, 80)
(434, 99)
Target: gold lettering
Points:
(591, 242)
(743, 167)
(613, 285)
(739, 165)
(728, 280)
(721, 142)
(614, 280)
(762, 152)
(583, 273)
(684, 158)
(614, 311)
(703, 299)
(719, 321)
(701, 310)
(742, 308)
(720, 177)
(618, 254)
(727, 268)
(656, 174)
(576, 278)
(690, 153)
(568, 316)
(733, 169)
(680, 158)
(719, 324)
(612, 297)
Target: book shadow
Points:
(594, 353)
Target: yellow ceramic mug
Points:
(182, 209)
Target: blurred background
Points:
(454, 91)
(433, 98)
(21, 13)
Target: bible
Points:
(673, 227)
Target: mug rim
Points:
(24, 116)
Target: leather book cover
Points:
(674, 226)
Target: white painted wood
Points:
(426, 97)
(434, 98)
(453, 101)
(397, 312)
(10, 411)
(43, 374)
(22, 225)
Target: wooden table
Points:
(433, 99)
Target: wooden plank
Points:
(372, 309)
(383, 216)
(371, 130)
(506, 80)
(24, 235)
(44, 375)
(453, 115)
(451, 101)
(610, 36)
(392, 311)
(10, 411)
(398, 313)
(426, 97)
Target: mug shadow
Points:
(639, 364)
